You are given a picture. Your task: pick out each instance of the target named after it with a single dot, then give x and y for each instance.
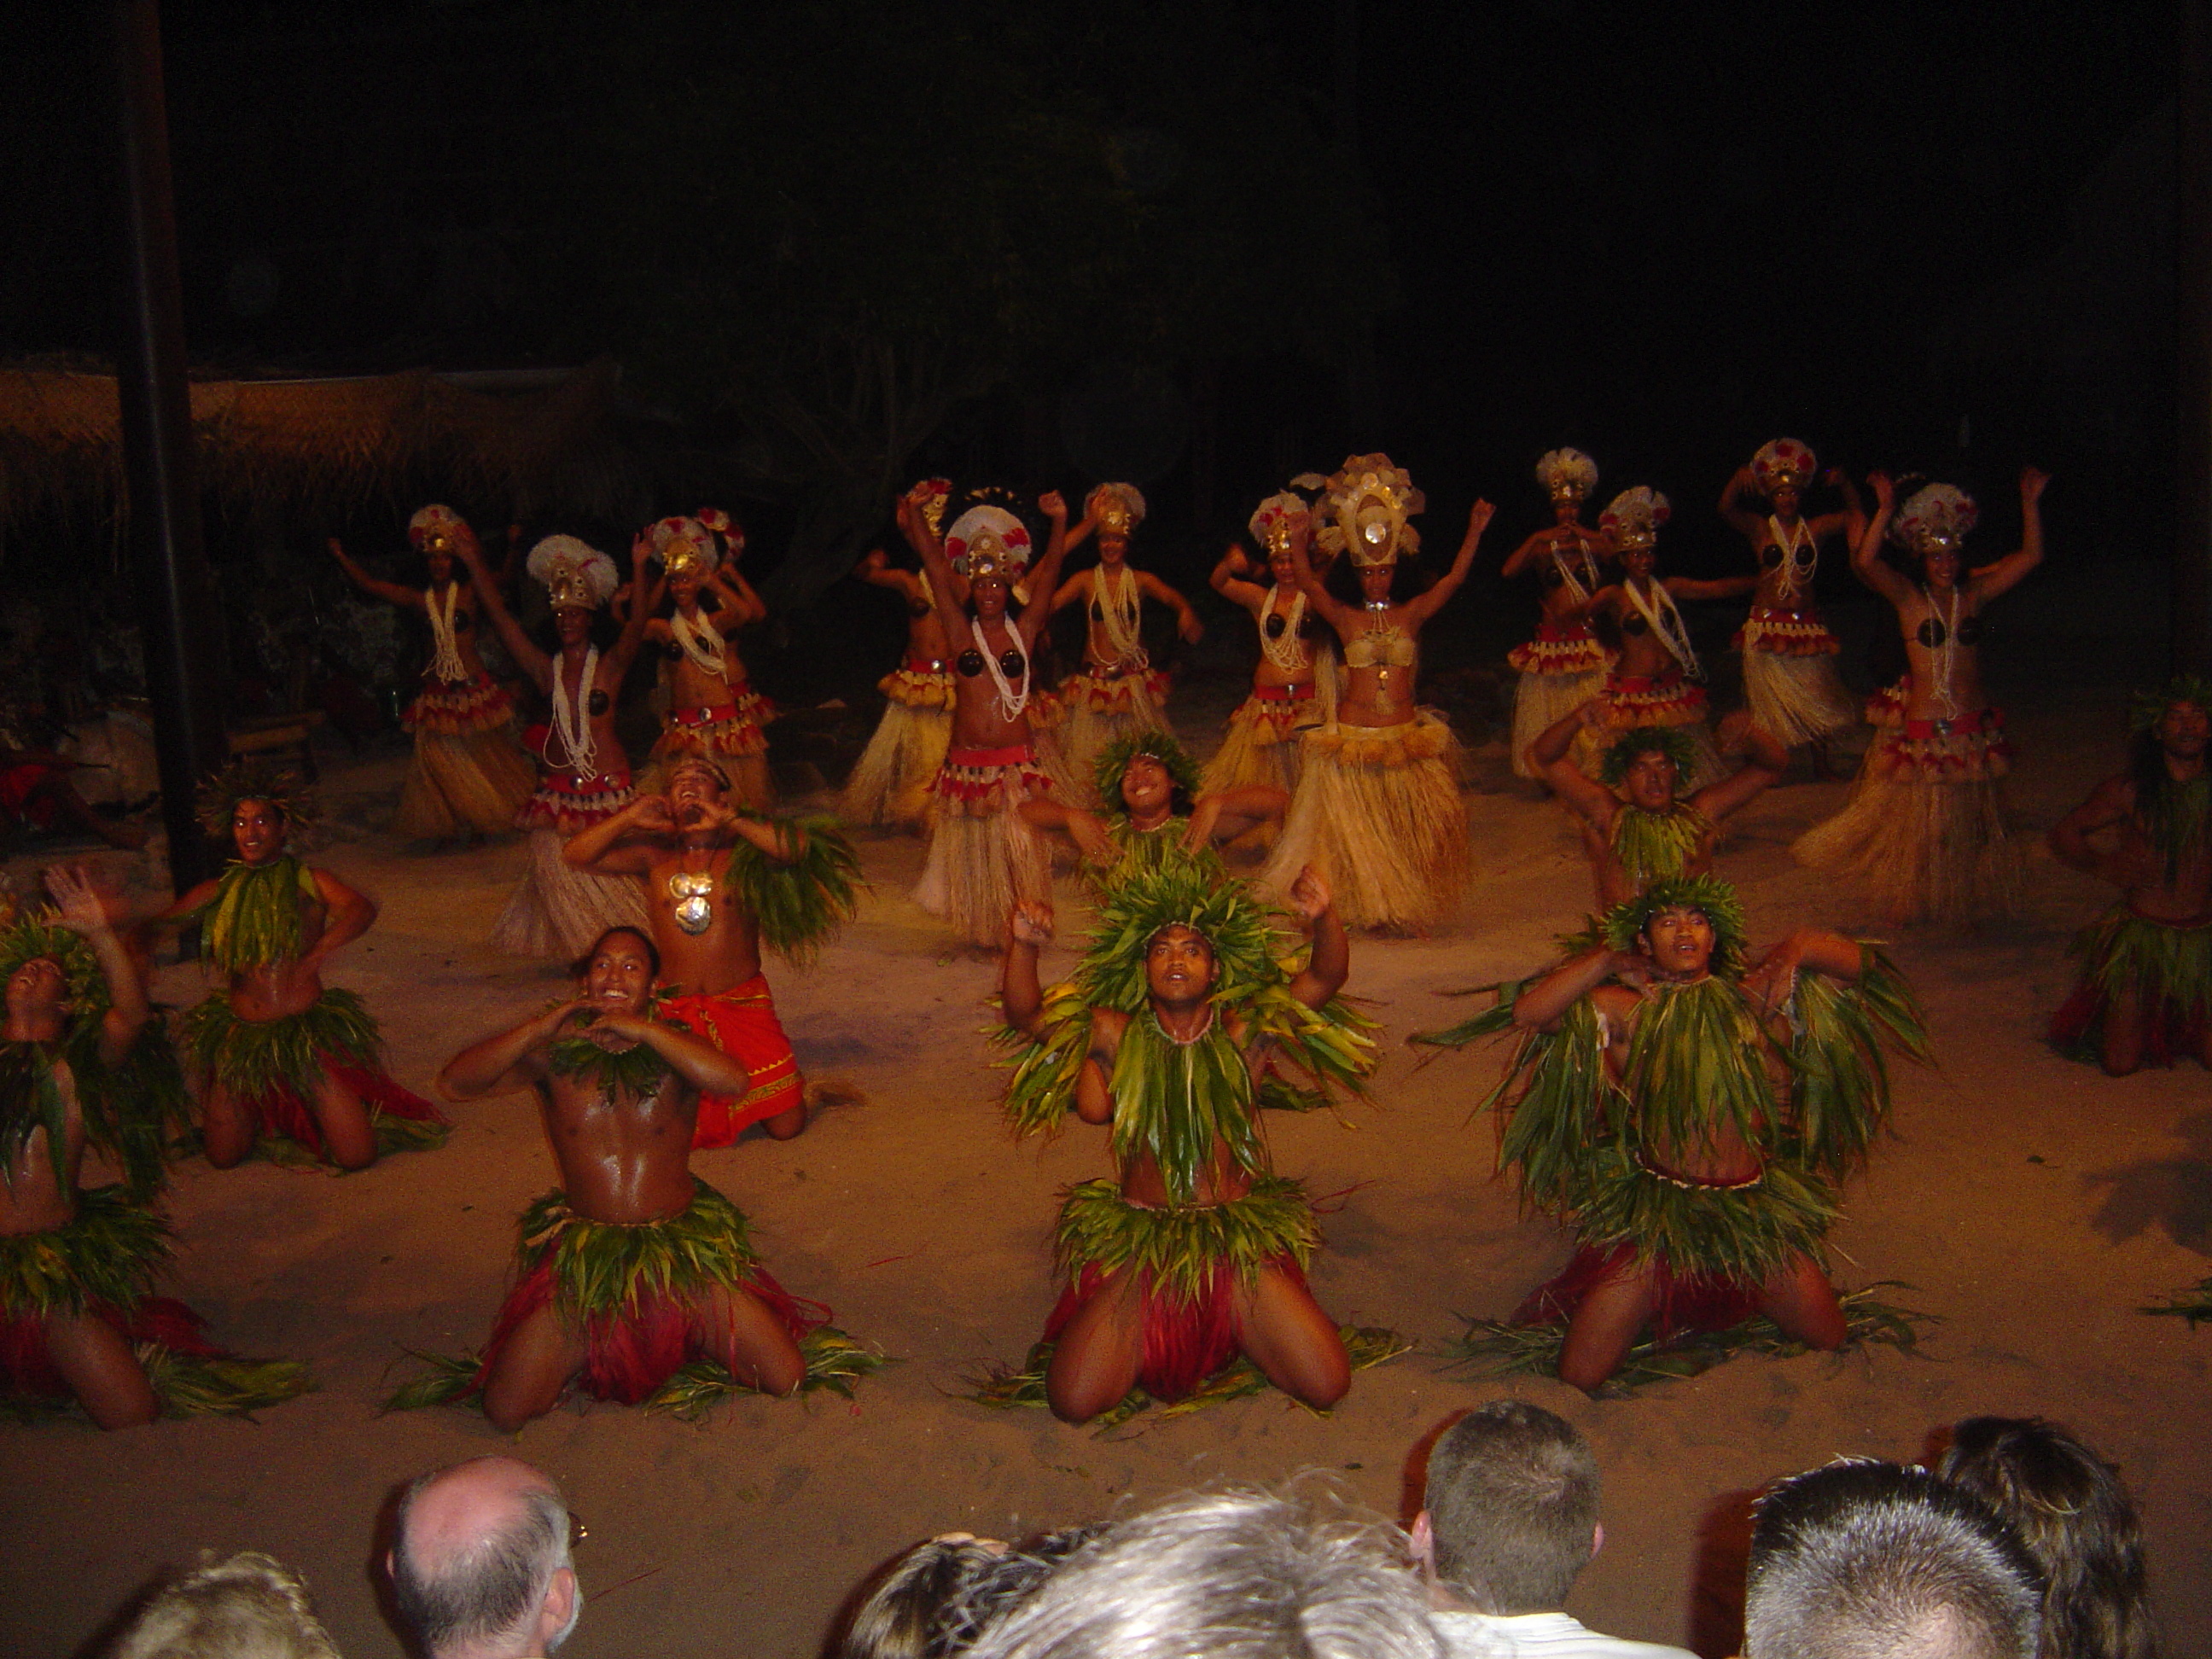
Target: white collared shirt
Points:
(1468, 1635)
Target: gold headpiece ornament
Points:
(1567, 475)
(1277, 518)
(1937, 515)
(1118, 508)
(685, 547)
(432, 528)
(929, 497)
(1633, 518)
(1785, 461)
(577, 576)
(989, 541)
(1368, 505)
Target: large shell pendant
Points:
(694, 903)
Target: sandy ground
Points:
(2032, 1203)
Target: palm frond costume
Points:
(1175, 1104)
(275, 1068)
(1804, 1088)
(1145, 851)
(1650, 846)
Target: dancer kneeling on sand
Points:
(1197, 1252)
(277, 1052)
(583, 775)
(1924, 828)
(1637, 826)
(1691, 1120)
(1118, 690)
(983, 856)
(891, 782)
(77, 1318)
(713, 709)
(720, 881)
(1564, 666)
(469, 776)
(1158, 815)
(1377, 806)
(1263, 746)
(635, 1266)
(1653, 680)
(2146, 989)
(1790, 675)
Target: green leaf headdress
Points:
(1709, 896)
(217, 801)
(1671, 741)
(1114, 760)
(2147, 709)
(29, 1098)
(1127, 920)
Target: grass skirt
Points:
(891, 783)
(1924, 828)
(469, 774)
(1790, 680)
(1190, 1264)
(2166, 968)
(1263, 744)
(1885, 708)
(740, 1021)
(1378, 810)
(1665, 699)
(983, 856)
(274, 1066)
(1561, 668)
(1102, 708)
(558, 910)
(103, 1262)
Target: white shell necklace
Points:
(1117, 616)
(1666, 620)
(445, 662)
(1010, 701)
(701, 643)
(1576, 592)
(1793, 572)
(1286, 650)
(572, 724)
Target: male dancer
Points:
(634, 1264)
(2146, 990)
(713, 873)
(1635, 827)
(1155, 812)
(279, 1053)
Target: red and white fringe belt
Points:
(1665, 699)
(919, 683)
(449, 708)
(719, 728)
(1555, 650)
(1784, 633)
(982, 783)
(564, 801)
(1970, 748)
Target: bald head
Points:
(480, 1562)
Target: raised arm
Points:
(82, 913)
(520, 646)
(1849, 522)
(1021, 993)
(351, 914)
(1807, 950)
(369, 583)
(1225, 814)
(616, 661)
(1590, 801)
(1187, 621)
(2006, 574)
(1718, 587)
(1085, 830)
(695, 1059)
(601, 849)
(1748, 521)
(508, 1062)
(1764, 761)
(927, 546)
(1867, 562)
(878, 571)
(1228, 580)
(1343, 618)
(1329, 962)
(1422, 607)
(1543, 1005)
(783, 842)
(1043, 600)
(1519, 561)
(746, 606)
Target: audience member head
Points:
(2070, 1509)
(1870, 1560)
(248, 1606)
(479, 1562)
(1510, 1513)
(1004, 1581)
(904, 1614)
(1228, 1575)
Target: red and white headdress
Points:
(1567, 475)
(1116, 506)
(1275, 518)
(1934, 515)
(1369, 501)
(1785, 461)
(1634, 517)
(432, 526)
(732, 532)
(685, 546)
(989, 541)
(577, 576)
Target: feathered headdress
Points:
(577, 576)
(1634, 517)
(1115, 506)
(1672, 741)
(685, 546)
(1368, 502)
(1277, 518)
(989, 541)
(1709, 896)
(727, 529)
(216, 800)
(1934, 515)
(1785, 461)
(929, 497)
(1114, 760)
(1567, 475)
(433, 527)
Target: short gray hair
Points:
(487, 1590)
(1240, 1574)
(1866, 1560)
(247, 1606)
(1512, 1502)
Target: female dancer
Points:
(1925, 822)
(583, 774)
(713, 709)
(1263, 744)
(1647, 686)
(1790, 675)
(891, 783)
(1118, 690)
(1562, 668)
(983, 856)
(1378, 808)
(469, 774)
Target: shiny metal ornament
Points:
(695, 901)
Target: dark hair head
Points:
(901, 1616)
(1864, 1559)
(582, 965)
(1512, 1500)
(2071, 1511)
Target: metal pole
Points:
(2191, 624)
(169, 565)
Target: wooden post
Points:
(2191, 614)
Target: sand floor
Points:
(2032, 1203)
